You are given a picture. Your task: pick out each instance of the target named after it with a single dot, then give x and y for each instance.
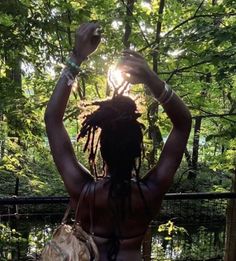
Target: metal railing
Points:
(190, 226)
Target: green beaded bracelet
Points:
(73, 66)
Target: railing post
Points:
(147, 245)
(230, 240)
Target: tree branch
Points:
(183, 69)
(136, 21)
(186, 21)
(172, 73)
(158, 34)
(68, 27)
(213, 115)
(199, 7)
(196, 17)
(72, 114)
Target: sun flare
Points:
(115, 76)
(116, 82)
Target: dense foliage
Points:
(190, 44)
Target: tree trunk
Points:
(13, 73)
(154, 132)
(158, 38)
(197, 127)
(147, 245)
(230, 242)
(128, 27)
(188, 158)
(2, 141)
(13, 63)
(153, 129)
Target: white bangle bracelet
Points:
(164, 92)
(168, 98)
(166, 95)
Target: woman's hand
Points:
(134, 68)
(86, 42)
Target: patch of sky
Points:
(116, 24)
(146, 4)
(175, 53)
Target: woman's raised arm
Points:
(73, 173)
(136, 70)
(170, 158)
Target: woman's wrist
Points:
(71, 70)
(160, 89)
(68, 75)
(73, 63)
(77, 59)
(155, 84)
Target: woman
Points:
(122, 206)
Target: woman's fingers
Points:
(130, 73)
(127, 57)
(132, 53)
(131, 63)
(81, 29)
(127, 65)
(89, 29)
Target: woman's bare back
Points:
(132, 228)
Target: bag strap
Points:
(86, 187)
(92, 208)
(64, 220)
(83, 192)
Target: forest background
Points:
(190, 44)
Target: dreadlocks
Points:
(120, 138)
